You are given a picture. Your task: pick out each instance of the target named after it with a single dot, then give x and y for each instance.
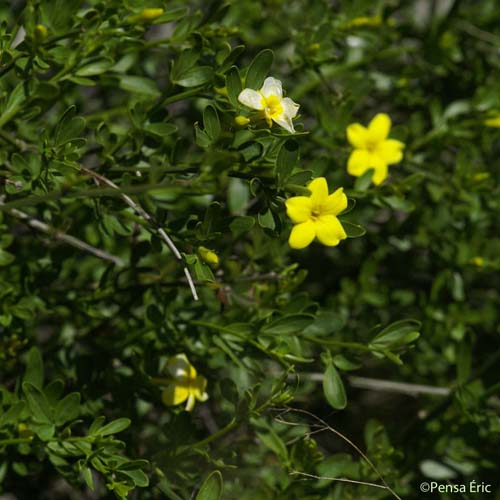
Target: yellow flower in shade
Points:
(372, 148)
(315, 216)
(185, 385)
(269, 99)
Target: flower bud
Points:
(147, 16)
(41, 32)
(241, 121)
(208, 256)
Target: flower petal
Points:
(319, 191)
(329, 230)
(271, 86)
(180, 368)
(335, 203)
(357, 135)
(290, 108)
(298, 208)
(175, 393)
(380, 175)
(379, 128)
(198, 388)
(285, 121)
(191, 400)
(251, 98)
(302, 235)
(391, 151)
(359, 162)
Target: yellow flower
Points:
(315, 216)
(269, 99)
(372, 148)
(208, 256)
(185, 385)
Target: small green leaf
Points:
(68, 408)
(333, 388)
(258, 69)
(364, 180)
(231, 58)
(212, 487)
(396, 334)
(211, 123)
(238, 195)
(203, 272)
(114, 427)
(233, 85)
(95, 68)
(34, 368)
(193, 77)
(69, 127)
(6, 258)
(13, 104)
(186, 61)
(240, 225)
(353, 230)
(288, 324)
(137, 475)
(161, 129)
(88, 478)
(287, 159)
(12, 414)
(139, 85)
(272, 441)
(37, 404)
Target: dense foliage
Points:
(145, 259)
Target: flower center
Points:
(272, 106)
(315, 213)
(371, 146)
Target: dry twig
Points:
(149, 219)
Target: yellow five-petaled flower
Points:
(185, 385)
(372, 148)
(315, 216)
(269, 99)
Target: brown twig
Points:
(149, 219)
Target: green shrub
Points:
(184, 313)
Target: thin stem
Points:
(385, 385)
(228, 428)
(66, 238)
(252, 342)
(339, 343)
(345, 438)
(148, 218)
(7, 442)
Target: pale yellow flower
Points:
(373, 149)
(269, 99)
(315, 216)
(185, 384)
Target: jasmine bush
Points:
(249, 250)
